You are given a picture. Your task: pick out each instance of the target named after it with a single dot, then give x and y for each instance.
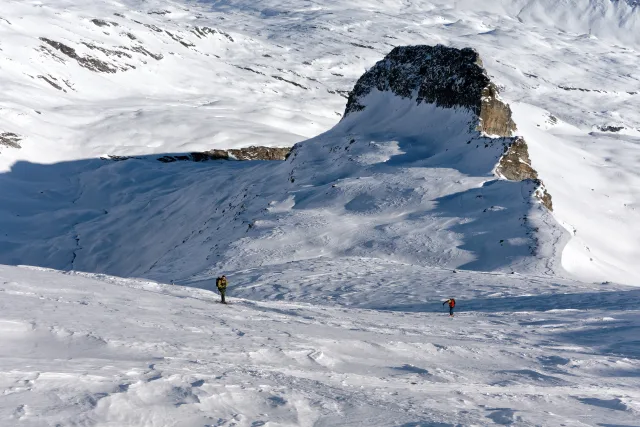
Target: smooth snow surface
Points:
(81, 349)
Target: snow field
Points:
(575, 61)
(84, 349)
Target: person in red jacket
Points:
(452, 303)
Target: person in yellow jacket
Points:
(221, 284)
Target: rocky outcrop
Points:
(10, 139)
(451, 78)
(247, 153)
(87, 62)
(515, 165)
(440, 75)
(610, 128)
(202, 32)
(260, 153)
(495, 115)
(242, 154)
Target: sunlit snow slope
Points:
(81, 349)
(84, 79)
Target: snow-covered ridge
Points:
(397, 180)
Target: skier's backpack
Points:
(452, 303)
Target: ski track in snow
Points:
(85, 349)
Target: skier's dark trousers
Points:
(452, 303)
(221, 284)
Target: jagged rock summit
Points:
(451, 78)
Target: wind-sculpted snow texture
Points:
(81, 349)
(198, 76)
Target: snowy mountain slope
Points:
(345, 251)
(199, 59)
(84, 79)
(143, 218)
(96, 350)
(192, 100)
(394, 180)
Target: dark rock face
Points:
(440, 75)
(247, 153)
(611, 128)
(10, 139)
(88, 62)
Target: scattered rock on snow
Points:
(142, 50)
(247, 153)
(10, 139)
(108, 52)
(100, 22)
(87, 62)
(610, 128)
(203, 32)
(52, 81)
